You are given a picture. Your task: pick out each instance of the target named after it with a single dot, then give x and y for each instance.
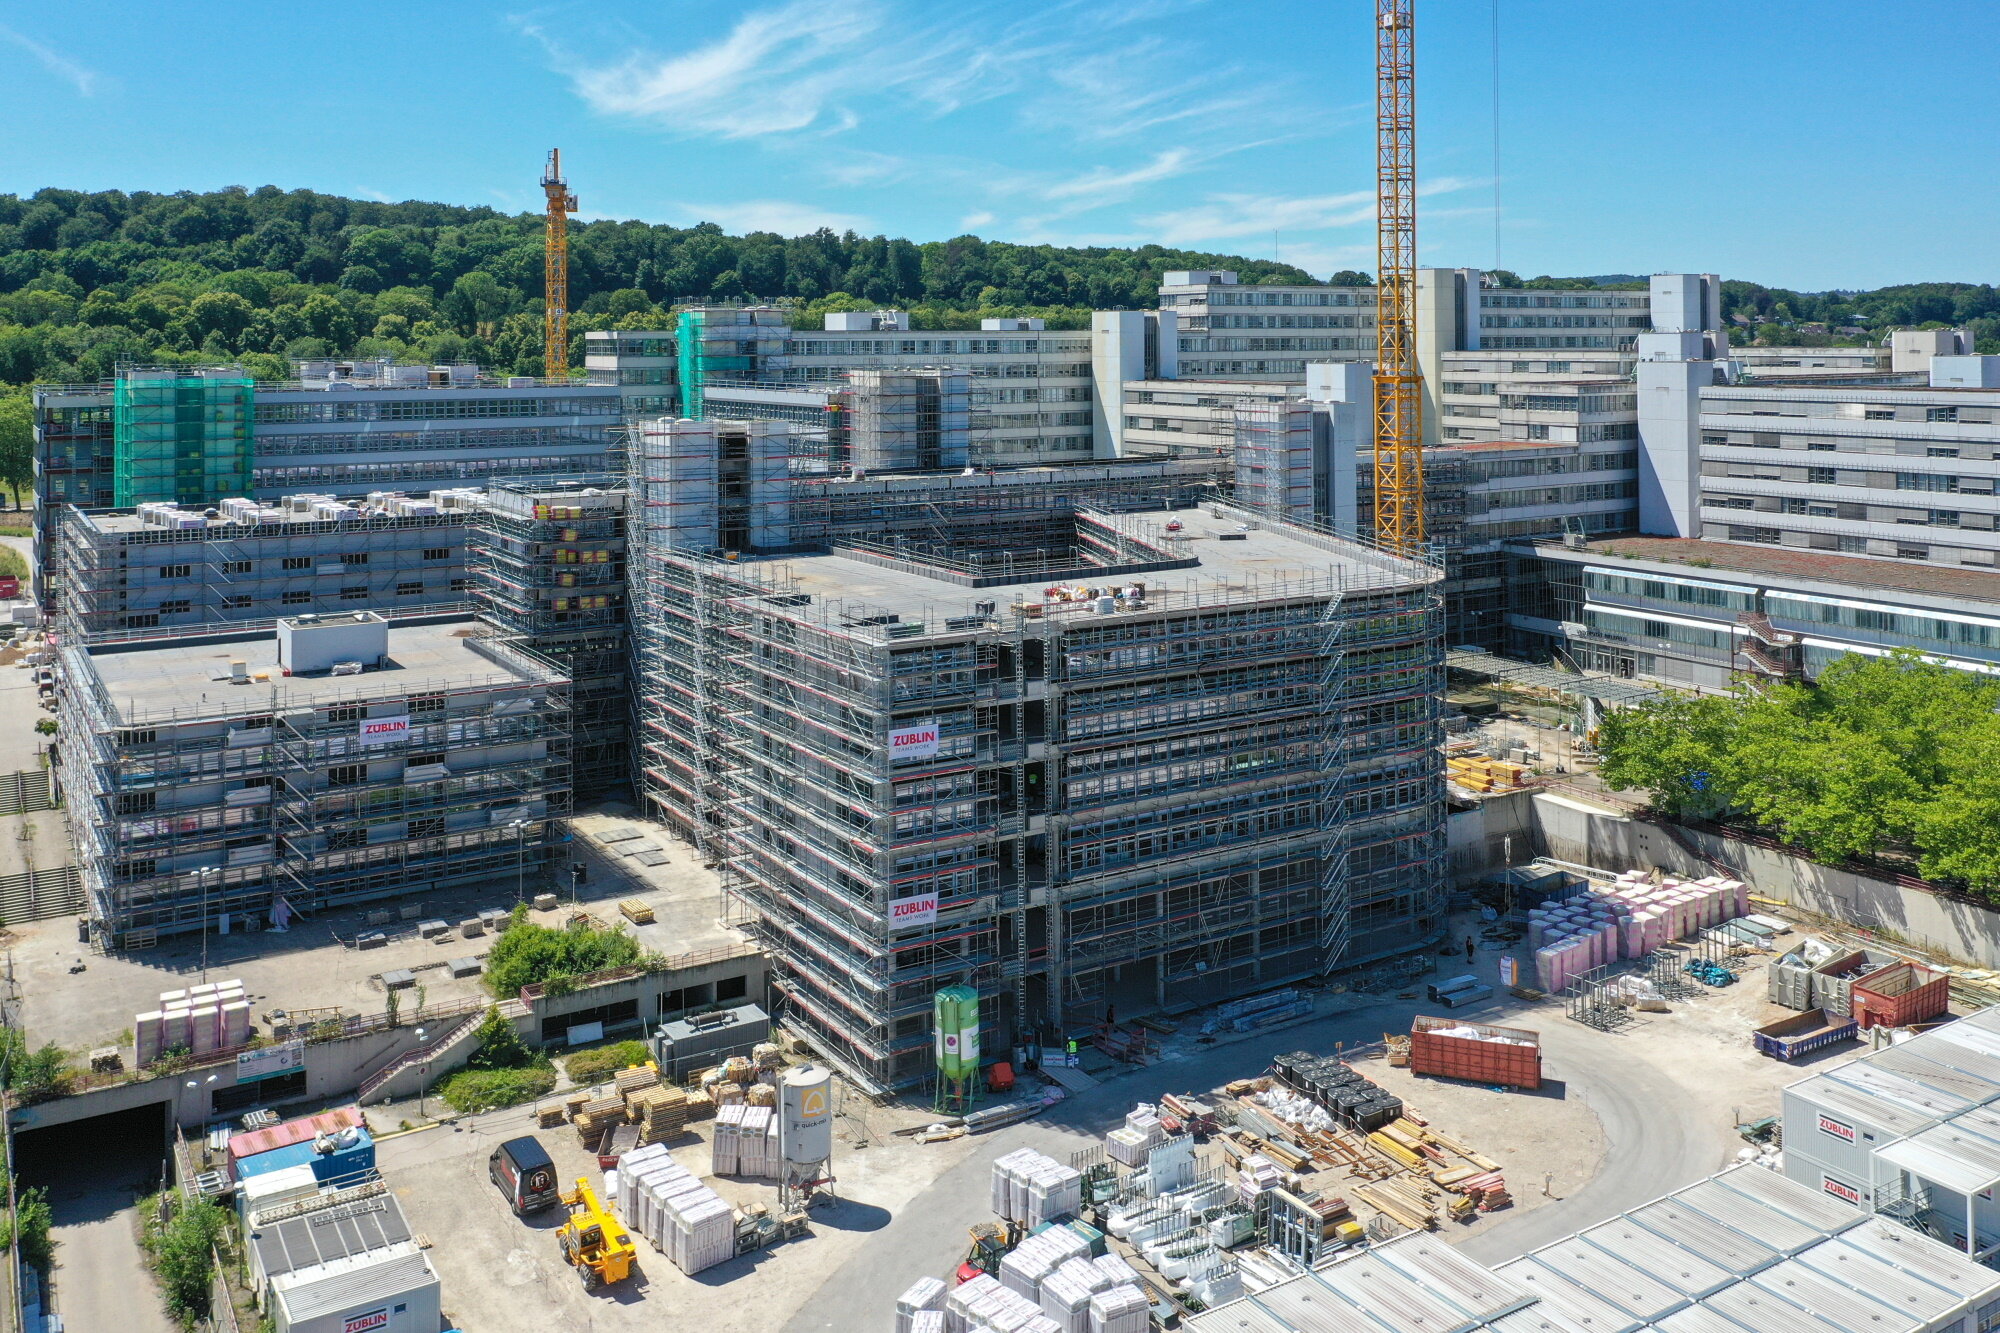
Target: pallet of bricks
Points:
(684, 1219)
(1080, 1295)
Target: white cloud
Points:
(860, 167)
(85, 80)
(784, 216)
(1223, 216)
(1102, 184)
(974, 221)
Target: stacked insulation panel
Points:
(723, 1144)
(983, 1303)
(1626, 919)
(926, 1294)
(1140, 1134)
(1032, 1187)
(201, 1020)
(1029, 1264)
(1066, 1294)
(683, 1218)
(1120, 1310)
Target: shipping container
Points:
(1813, 1030)
(1899, 995)
(1478, 1052)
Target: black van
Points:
(525, 1174)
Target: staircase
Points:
(424, 1054)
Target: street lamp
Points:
(426, 1078)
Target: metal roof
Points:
(1957, 1154)
(1849, 1264)
(1802, 1202)
(1917, 1064)
(1537, 1318)
(1699, 1319)
(1803, 1285)
(1623, 1284)
(1658, 1257)
(1471, 1286)
(1765, 1312)
(1939, 1263)
(347, 1283)
(1724, 1242)
(315, 1238)
(1581, 1307)
(1309, 1306)
(1741, 1213)
(1401, 1302)
(1976, 1054)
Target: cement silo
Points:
(955, 1011)
(805, 1110)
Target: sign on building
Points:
(918, 911)
(270, 1061)
(919, 740)
(1840, 1189)
(385, 730)
(1840, 1129)
(363, 1323)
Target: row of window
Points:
(426, 407)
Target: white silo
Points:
(805, 1115)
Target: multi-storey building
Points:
(1489, 397)
(546, 566)
(643, 365)
(163, 571)
(338, 759)
(1900, 473)
(196, 436)
(1707, 614)
(926, 759)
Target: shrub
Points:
(528, 954)
(180, 1239)
(501, 1047)
(594, 1066)
(30, 1228)
(475, 1090)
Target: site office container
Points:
(1511, 1057)
(1900, 995)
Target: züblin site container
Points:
(1478, 1052)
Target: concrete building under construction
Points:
(1075, 739)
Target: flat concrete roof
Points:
(1273, 560)
(150, 680)
(1765, 563)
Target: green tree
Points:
(528, 954)
(180, 1239)
(17, 443)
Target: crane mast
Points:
(555, 270)
(1399, 425)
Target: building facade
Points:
(196, 436)
(338, 759)
(920, 769)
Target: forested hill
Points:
(89, 280)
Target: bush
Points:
(30, 1228)
(501, 1047)
(475, 1090)
(35, 1076)
(594, 1066)
(180, 1239)
(528, 954)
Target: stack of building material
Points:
(1116, 1271)
(683, 1218)
(1626, 919)
(1476, 772)
(767, 1055)
(700, 1106)
(1066, 1293)
(927, 1321)
(757, 1142)
(985, 1303)
(761, 1094)
(1257, 1174)
(726, 1157)
(925, 1294)
(1488, 1190)
(1025, 1267)
(636, 1078)
(659, 1112)
(594, 1115)
(550, 1114)
(1031, 1187)
(1120, 1310)
(725, 1093)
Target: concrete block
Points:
(372, 939)
(472, 927)
(430, 930)
(399, 979)
(464, 967)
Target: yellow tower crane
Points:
(555, 270)
(1399, 403)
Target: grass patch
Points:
(474, 1090)
(599, 1063)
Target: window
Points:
(238, 566)
(1820, 446)
(1791, 506)
(239, 601)
(1770, 536)
(430, 827)
(1925, 481)
(141, 736)
(1879, 414)
(296, 562)
(178, 607)
(354, 593)
(347, 775)
(1940, 414)
(1853, 545)
(346, 839)
(355, 558)
(1939, 451)
(461, 585)
(1538, 432)
(409, 589)
(147, 621)
(437, 553)
(136, 803)
(1912, 552)
(1820, 476)
(416, 760)
(1823, 511)
(176, 571)
(427, 703)
(1944, 518)
(344, 713)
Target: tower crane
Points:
(1399, 404)
(555, 270)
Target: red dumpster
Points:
(1899, 995)
(1477, 1052)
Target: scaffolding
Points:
(1183, 798)
(547, 564)
(180, 435)
(128, 580)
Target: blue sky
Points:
(1812, 145)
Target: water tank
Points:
(956, 1013)
(805, 1115)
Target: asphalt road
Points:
(1660, 1133)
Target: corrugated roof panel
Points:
(1948, 1156)
(1892, 1115)
(346, 1283)
(1660, 1258)
(1725, 1243)
(1471, 1287)
(1540, 1317)
(1700, 1319)
(1789, 1197)
(317, 1237)
(1851, 1266)
(1767, 1312)
(1964, 1035)
(1988, 1018)
(1244, 1316)
(1929, 1098)
(1401, 1302)
(1582, 1308)
(295, 1131)
(1928, 1259)
(1308, 1306)
(1970, 1088)
(1810, 1289)
(1623, 1284)
(1967, 1054)
(1740, 1212)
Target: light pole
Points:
(426, 1077)
(202, 873)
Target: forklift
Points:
(593, 1241)
(991, 1242)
